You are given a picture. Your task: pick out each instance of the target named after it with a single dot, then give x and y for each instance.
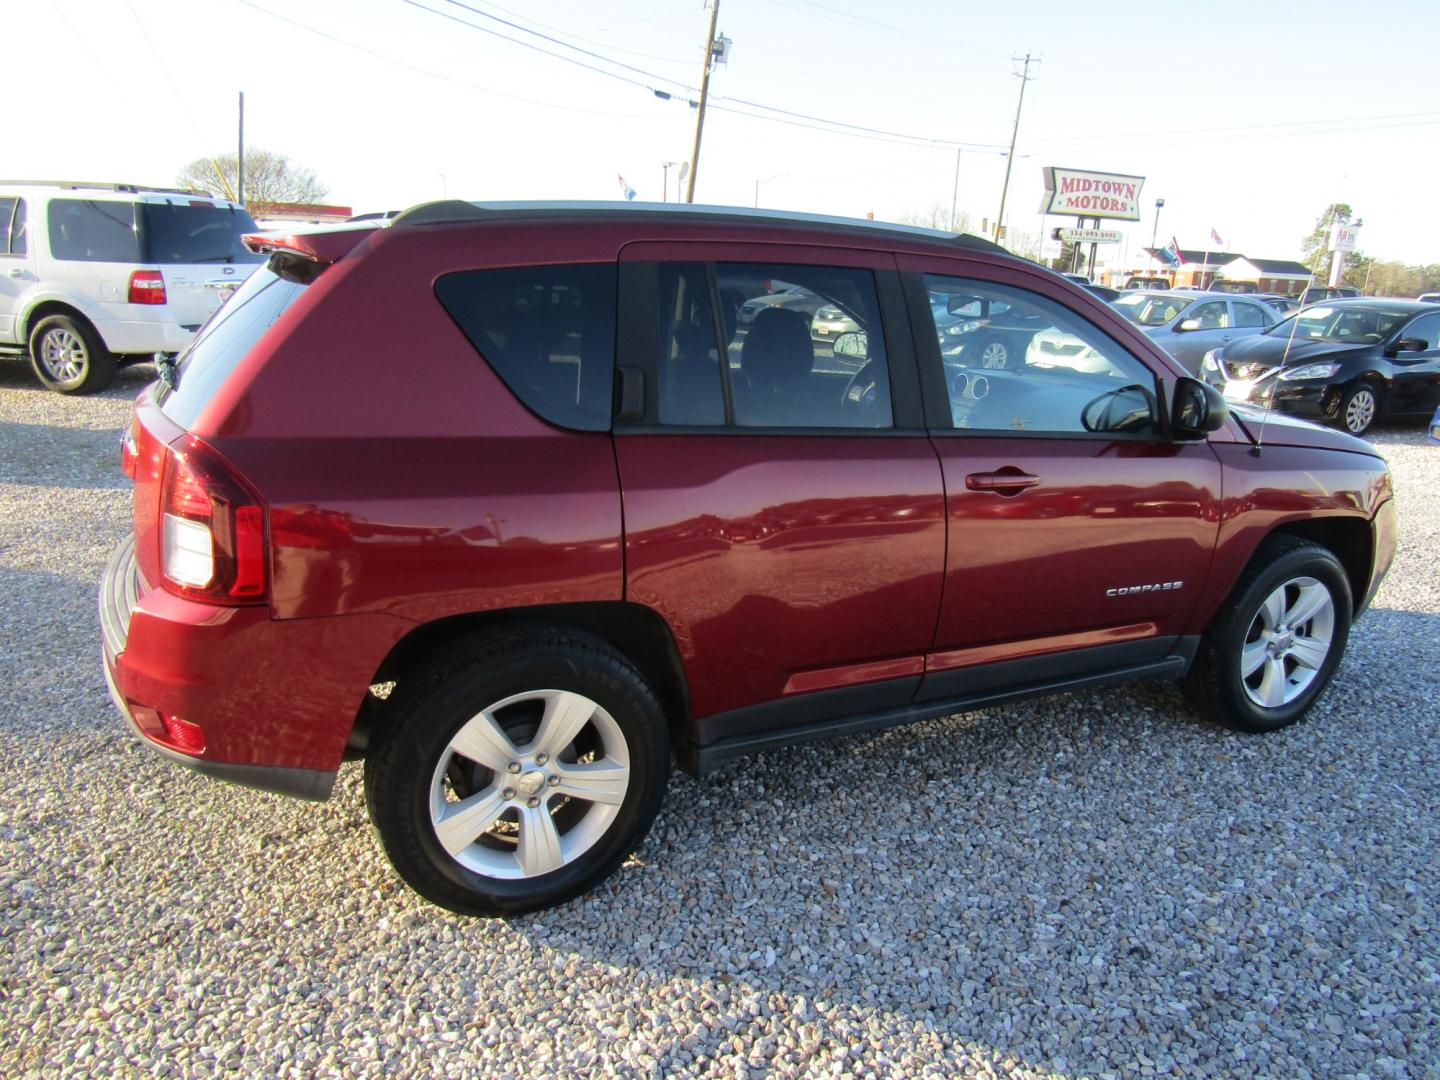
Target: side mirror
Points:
(1408, 344)
(1187, 326)
(852, 344)
(1196, 409)
(1128, 410)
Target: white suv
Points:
(93, 276)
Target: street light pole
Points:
(1010, 157)
(240, 156)
(955, 193)
(1155, 231)
(704, 96)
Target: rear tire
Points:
(517, 771)
(68, 356)
(1277, 641)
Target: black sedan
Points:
(1343, 362)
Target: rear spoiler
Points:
(321, 246)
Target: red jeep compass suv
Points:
(517, 501)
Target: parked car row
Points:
(1343, 361)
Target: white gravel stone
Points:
(1090, 885)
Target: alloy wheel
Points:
(529, 784)
(1360, 411)
(63, 355)
(995, 355)
(1288, 642)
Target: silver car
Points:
(1188, 323)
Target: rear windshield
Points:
(195, 234)
(89, 230)
(223, 342)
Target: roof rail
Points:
(76, 185)
(456, 211)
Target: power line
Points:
(604, 30)
(1210, 140)
(547, 37)
(1334, 120)
(786, 117)
(848, 18)
(536, 48)
(895, 136)
(431, 72)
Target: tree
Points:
(269, 179)
(1316, 246)
(937, 216)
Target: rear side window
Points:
(10, 208)
(1250, 314)
(547, 331)
(195, 233)
(17, 229)
(83, 230)
(223, 342)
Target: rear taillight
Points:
(147, 287)
(129, 451)
(212, 533)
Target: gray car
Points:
(1188, 323)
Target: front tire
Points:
(517, 771)
(1277, 641)
(993, 353)
(68, 356)
(1359, 408)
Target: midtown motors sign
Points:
(1092, 194)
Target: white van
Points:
(94, 276)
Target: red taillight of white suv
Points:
(212, 534)
(147, 287)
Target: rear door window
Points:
(547, 331)
(753, 345)
(86, 230)
(7, 212)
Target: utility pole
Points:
(955, 193)
(240, 156)
(704, 95)
(1010, 158)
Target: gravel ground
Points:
(1087, 885)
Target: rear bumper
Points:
(141, 700)
(139, 336)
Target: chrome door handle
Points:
(19, 271)
(1000, 481)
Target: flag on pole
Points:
(626, 188)
(1216, 236)
(1171, 253)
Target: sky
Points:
(1248, 119)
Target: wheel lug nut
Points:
(514, 766)
(508, 793)
(533, 801)
(541, 759)
(554, 781)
